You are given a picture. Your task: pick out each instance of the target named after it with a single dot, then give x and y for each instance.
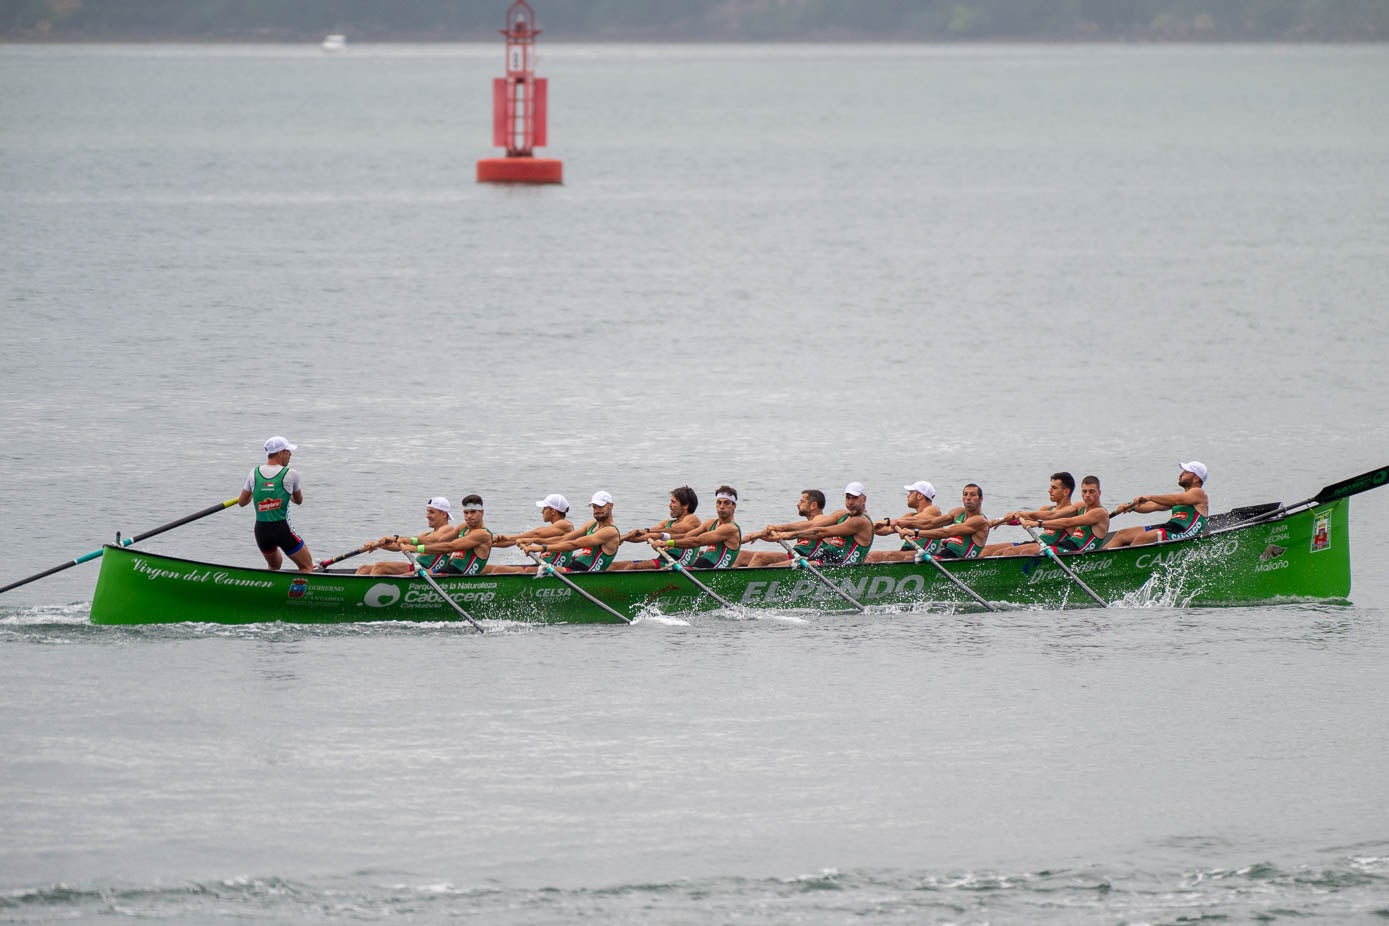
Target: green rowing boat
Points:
(1258, 555)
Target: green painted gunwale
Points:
(1268, 561)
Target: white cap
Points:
(601, 498)
(557, 502)
(1196, 469)
(923, 487)
(438, 503)
(854, 488)
(276, 444)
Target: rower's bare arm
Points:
(578, 540)
(543, 532)
(461, 542)
(1193, 496)
(923, 521)
(244, 498)
(846, 528)
(1091, 517)
(971, 525)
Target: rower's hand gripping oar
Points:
(675, 565)
(210, 509)
(1056, 558)
(806, 564)
(926, 557)
(424, 574)
(570, 582)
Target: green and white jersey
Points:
(272, 491)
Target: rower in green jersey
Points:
(682, 520)
(1190, 508)
(811, 508)
(466, 554)
(594, 545)
(966, 529)
(1059, 491)
(717, 540)
(273, 486)
(846, 538)
(554, 511)
(1081, 532)
(437, 515)
(921, 512)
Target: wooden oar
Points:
(323, 566)
(1332, 493)
(424, 574)
(1052, 555)
(211, 509)
(675, 565)
(570, 582)
(806, 564)
(946, 572)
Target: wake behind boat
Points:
(1262, 554)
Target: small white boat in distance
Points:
(335, 43)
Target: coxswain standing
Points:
(273, 485)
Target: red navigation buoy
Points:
(519, 103)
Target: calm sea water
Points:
(776, 267)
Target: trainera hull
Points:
(1304, 556)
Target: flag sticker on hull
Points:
(1321, 532)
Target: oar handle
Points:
(210, 509)
(340, 557)
(808, 565)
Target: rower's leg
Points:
(273, 559)
(303, 559)
(1122, 538)
(891, 556)
(389, 569)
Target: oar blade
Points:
(1353, 486)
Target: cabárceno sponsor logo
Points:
(417, 596)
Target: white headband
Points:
(472, 506)
(727, 497)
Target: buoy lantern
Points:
(519, 107)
